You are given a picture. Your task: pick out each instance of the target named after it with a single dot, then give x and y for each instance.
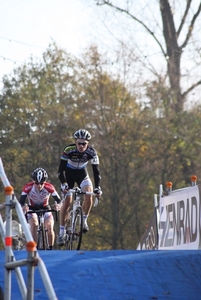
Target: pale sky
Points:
(29, 26)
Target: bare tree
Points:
(176, 33)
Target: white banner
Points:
(180, 220)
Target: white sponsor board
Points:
(180, 220)
(149, 240)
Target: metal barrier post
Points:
(31, 261)
(33, 257)
(8, 241)
(193, 180)
(168, 187)
(23, 221)
(17, 270)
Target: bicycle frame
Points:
(76, 204)
(42, 232)
(74, 223)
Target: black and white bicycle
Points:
(74, 223)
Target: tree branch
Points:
(191, 88)
(107, 2)
(184, 17)
(190, 29)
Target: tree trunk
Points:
(173, 55)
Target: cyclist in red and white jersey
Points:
(38, 193)
(73, 169)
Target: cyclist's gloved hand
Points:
(25, 208)
(56, 206)
(98, 191)
(64, 187)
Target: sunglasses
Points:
(83, 144)
(37, 183)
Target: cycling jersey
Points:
(38, 198)
(73, 163)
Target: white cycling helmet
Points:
(39, 175)
(82, 134)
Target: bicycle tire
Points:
(42, 243)
(39, 240)
(68, 233)
(76, 236)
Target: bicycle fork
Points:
(76, 204)
(43, 234)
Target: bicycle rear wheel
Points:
(76, 235)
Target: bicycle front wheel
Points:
(41, 245)
(76, 236)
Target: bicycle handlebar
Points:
(79, 192)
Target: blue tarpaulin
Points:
(108, 275)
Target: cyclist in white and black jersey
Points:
(73, 169)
